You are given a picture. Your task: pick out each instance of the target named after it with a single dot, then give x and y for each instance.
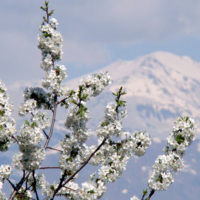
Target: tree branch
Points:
(52, 123)
(151, 194)
(62, 100)
(60, 184)
(85, 163)
(53, 149)
(49, 168)
(15, 139)
(13, 186)
(34, 185)
(19, 185)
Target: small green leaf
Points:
(44, 18)
(91, 191)
(180, 139)
(27, 122)
(145, 192)
(2, 112)
(50, 13)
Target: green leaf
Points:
(114, 94)
(104, 124)
(44, 18)
(69, 159)
(180, 139)
(67, 136)
(46, 3)
(50, 13)
(1, 90)
(91, 191)
(27, 122)
(43, 8)
(145, 192)
(34, 124)
(2, 112)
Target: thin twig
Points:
(52, 123)
(34, 185)
(45, 134)
(13, 186)
(15, 139)
(53, 148)
(69, 188)
(18, 186)
(49, 168)
(62, 100)
(85, 163)
(60, 184)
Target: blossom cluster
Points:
(30, 135)
(94, 84)
(70, 189)
(134, 198)
(50, 43)
(115, 155)
(77, 119)
(40, 182)
(7, 124)
(182, 134)
(5, 172)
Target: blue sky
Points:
(96, 33)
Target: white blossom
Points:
(7, 124)
(134, 198)
(5, 172)
(160, 181)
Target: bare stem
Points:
(49, 168)
(45, 134)
(53, 149)
(52, 123)
(13, 186)
(69, 188)
(62, 100)
(151, 194)
(15, 139)
(60, 184)
(34, 185)
(19, 185)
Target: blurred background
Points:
(151, 48)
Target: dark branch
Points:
(13, 186)
(52, 123)
(34, 185)
(85, 163)
(53, 149)
(49, 168)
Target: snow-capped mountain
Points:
(160, 87)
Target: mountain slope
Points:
(160, 87)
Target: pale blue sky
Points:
(96, 33)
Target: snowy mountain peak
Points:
(160, 87)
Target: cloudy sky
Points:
(96, 33)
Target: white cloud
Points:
(187, 168)
(90, 27)
(124, 191)
(157, 140)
